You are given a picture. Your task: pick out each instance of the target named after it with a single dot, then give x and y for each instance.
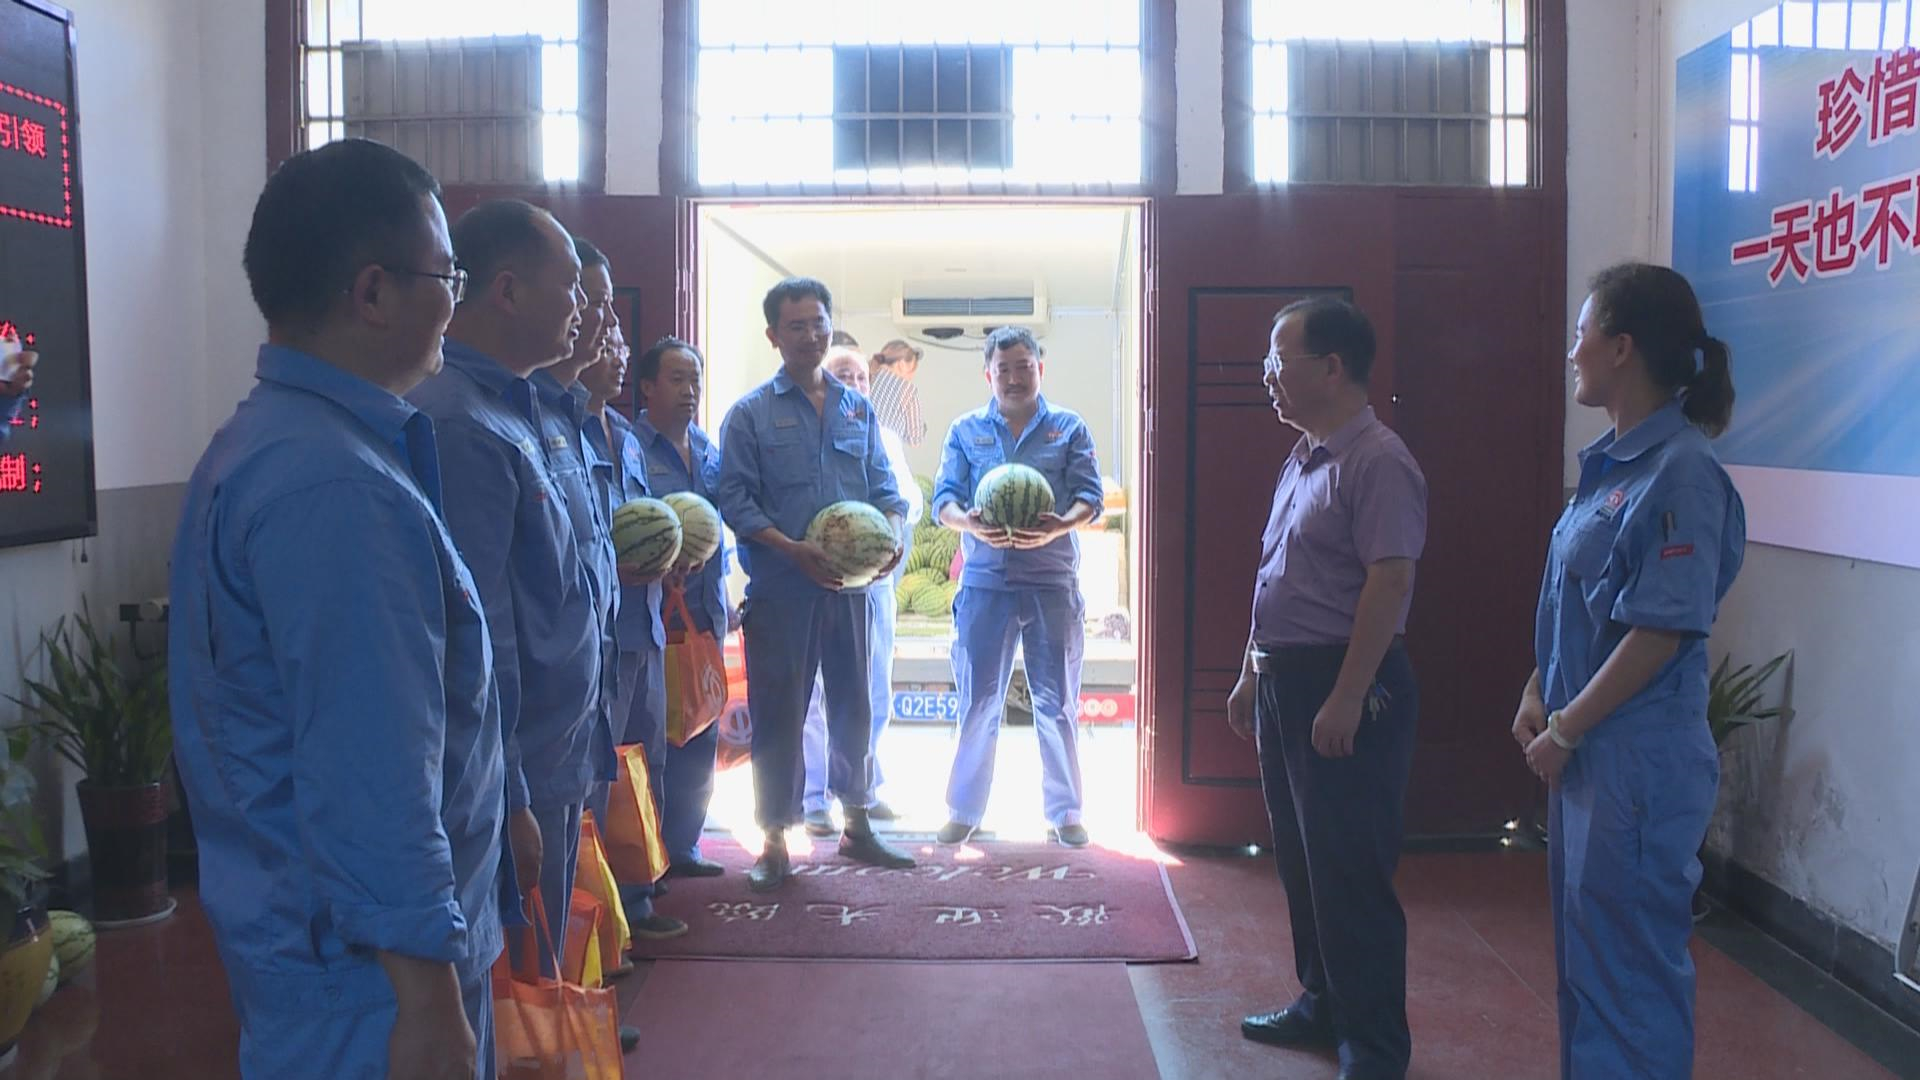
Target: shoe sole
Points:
(657, 935)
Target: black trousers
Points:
(1337, 829)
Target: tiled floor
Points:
(154, 1006)
(1481, 975)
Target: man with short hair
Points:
(1018, 587)
(516, 524)
(1327, 693)
(791, 447)
(336, 723)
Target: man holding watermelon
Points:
(1021, 582)
(791, 447)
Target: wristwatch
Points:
(1553, 732)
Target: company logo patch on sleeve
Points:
(1676, 551)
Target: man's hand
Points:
(523, 834)
(431, 1039)
(899, 552)
(813, 562)
(22, 374)
(1046, 530)
(1240, 707)
(989, 535)
(1335, 726)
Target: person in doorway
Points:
(1327, 693)
(336, 721)
(847, 365)
(637, 693)
(792, 446)
(895, 398)
(506, 508)
(678, 456)
(1614, 716)
(1018, 587)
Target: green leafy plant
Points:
(1733, 696)
(110, 721)
(23, 844)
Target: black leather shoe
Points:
(1366, 1072)
(770, 869)
(819, 823)
(696, 867)
(629, 1038)
(1288, 1027)
(882, 812)
(870, 849)
(954, 832)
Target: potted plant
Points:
(112, 722)
(29, 946)
(1733, 702)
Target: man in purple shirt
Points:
(1327, 693)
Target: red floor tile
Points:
(154, 1005)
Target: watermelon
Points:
(72, 941)
(52, 981)
(699, 525)
(646, 536)
(1013, 496)
(937, 600)
(857, 538)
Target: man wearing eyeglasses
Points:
(335, 716)
(508, 463)
(1327, 694)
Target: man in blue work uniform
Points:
(1019, 587)
(335, 717)
(636, 701)
(513, 522)
(678, 456)
(791, 447)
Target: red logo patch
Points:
(1618, 499)
(1675, 551)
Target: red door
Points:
(1464, 373)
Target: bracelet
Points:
(1553, 733)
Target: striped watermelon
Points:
(72, 941)
(699, 525)
(646, 536)
(857, 538)
(1013, 496)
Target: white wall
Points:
(635, 112)
(172, 152)
(1823, 803)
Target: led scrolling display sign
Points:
(46, 431)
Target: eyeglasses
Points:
(1274, 362)
(455, 282)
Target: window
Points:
(917, 94)
(1863, 25)
(479, 91)
(1446, 100)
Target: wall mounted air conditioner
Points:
(973, 305)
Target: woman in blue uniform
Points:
(1614, 717)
